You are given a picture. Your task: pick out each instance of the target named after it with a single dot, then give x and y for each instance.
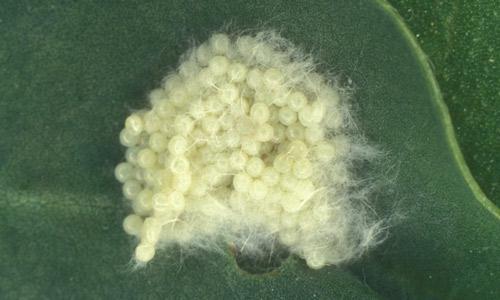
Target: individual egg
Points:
(213, 105)
(161, 178)
(306, 116)
(171, 82)
(287, 116)
(231, 139)
(266, 151)
(182, 182)
(198, 188)
(291, 203)
(218, 65)
(302, 168)
(280, 99)
(157, 96)
(263, 54)
(150, 231)
(179, 96)
(176, 201)
(143, 203)
(152, 122)
(144, 252)
(273, 78)
(132, 224)
(146, 158)
(270, 176)
(203, 54)
(258, 190)
(315, 259)
(295, 132)
(275, 194)
(245, 46)
(228, 93)
(296, 101)
(226, 121)
(282, 163)
(238, 160)
(288, 182)
(240, 107)
(318, 111)
(178, 164)
(222, 163)
(254, 166)
(206, 79)
(297, 149)
(237, 72)
(158, 142)
(167, 129)
(264, 133)
(250, 146)
(324, 152)
(128, 139)
(160, 202)
(242, 182)
(313, 135)
(254, 79)
(177, 145)
(197, 110)
(134, 124)
(263, 96)
(131, 188)
(148, 176)
(259, 113)
(217, 146)
(188, 69)
(124, 171)
(131, 155)
(220, 43)
(165, 109)
(210, 125)
(245, 126)
(183, 125)
(279, 133)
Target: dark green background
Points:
(70, 72)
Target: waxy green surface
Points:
(71, 72)
(462, 42)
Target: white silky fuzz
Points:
(247, 144)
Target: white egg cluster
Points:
(243, 144)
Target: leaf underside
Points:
(70, 74)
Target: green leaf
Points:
(71, 72)
(461, 41)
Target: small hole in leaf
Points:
(267, 260)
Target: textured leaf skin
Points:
(71, 72)
(462, 41)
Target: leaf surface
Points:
(69, 75)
